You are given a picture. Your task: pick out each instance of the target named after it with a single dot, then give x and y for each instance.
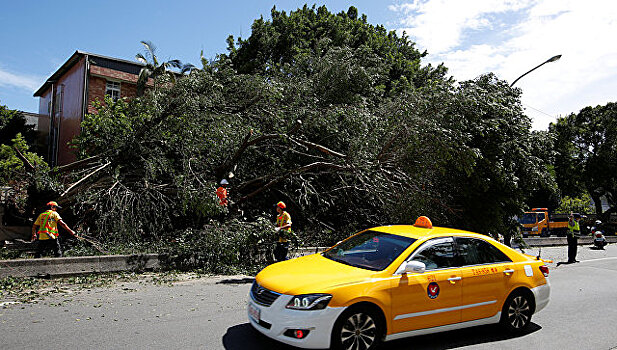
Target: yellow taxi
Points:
(397, 281)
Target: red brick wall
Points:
(128, 90)
(97, 85)
(114, 74)
(96, 91)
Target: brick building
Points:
(67, 95)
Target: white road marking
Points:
(599, 259)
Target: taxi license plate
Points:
(254, 312)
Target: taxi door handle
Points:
(454, 279)
(508, 271)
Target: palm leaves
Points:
(153, 69)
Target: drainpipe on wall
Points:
(86, 86)
(60, 115)
(50, 136)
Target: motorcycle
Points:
(599, 241)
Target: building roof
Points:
(96, 59)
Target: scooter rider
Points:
(599, 241)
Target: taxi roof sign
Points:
(423, 222)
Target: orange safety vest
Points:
(221, 192)
(48, 226)
(281, 221)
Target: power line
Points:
(537, 110)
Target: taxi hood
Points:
(310, 274)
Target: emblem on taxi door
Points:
(432, 290)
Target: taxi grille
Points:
(263, 296)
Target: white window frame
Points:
(113, 89)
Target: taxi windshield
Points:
(369, 250)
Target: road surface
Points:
(210, 313)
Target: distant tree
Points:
(153, 68)
(23, 171)
(580, 205)
(546, 194)
(499, 168)
(586, 155)
(13, 122)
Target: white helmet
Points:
(224, 182)
(598, 222)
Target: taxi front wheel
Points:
(516, 313)
(358, 328)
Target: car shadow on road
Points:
(246, 280)
(459, 338)
(246, 338)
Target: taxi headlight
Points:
(309, 302)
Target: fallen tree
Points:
(343, 133)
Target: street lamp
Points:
(552, 59)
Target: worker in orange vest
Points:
(45, 229)
(283, 228)
(221, 192)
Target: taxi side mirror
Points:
(415, 267)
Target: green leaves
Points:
(586, 153)
(332, 115)
(20, 168)
(313, 32)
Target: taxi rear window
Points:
(371, 250)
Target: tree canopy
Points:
(21, 169)
(13, 122)
(586, 154)
(289, 44)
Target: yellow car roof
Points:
(420, 232)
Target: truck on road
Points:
(538, 222)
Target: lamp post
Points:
(552, 59)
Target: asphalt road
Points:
(210, 313)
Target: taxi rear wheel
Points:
(358, 328)
(516, 313)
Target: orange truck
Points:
(538, 222)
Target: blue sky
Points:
(472, 37)
(38, 36)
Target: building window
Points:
(113, 90)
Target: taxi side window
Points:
(473, 251)
(437, 254)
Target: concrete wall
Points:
(77, 265)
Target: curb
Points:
(81, 265)
(77, 265)
(559, 241)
